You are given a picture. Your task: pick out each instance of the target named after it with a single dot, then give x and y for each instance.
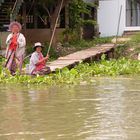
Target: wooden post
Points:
(96, 27)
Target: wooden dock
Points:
(90, 54)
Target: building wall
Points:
(108, 15)
(42, 35)
(34, 35)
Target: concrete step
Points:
(130, 33)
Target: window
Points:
(132, 13)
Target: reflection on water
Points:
(106, 110)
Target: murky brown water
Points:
(107, 110)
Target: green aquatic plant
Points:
(82, 72)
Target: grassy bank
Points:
(130, 49)
(82, 72)
(85, 72)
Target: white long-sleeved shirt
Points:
(33, 61)
(21, 44)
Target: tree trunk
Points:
(67, 16)
(53, 17)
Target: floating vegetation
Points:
(82, 72)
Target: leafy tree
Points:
(78, 9)
(52, 7)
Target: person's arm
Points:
(8, 40)
(21, 40)
(42, 60)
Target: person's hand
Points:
(47, 57)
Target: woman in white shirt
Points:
(15, 52)
(37, 64)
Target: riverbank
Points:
(130, 48)
(123, 64)
(83, 72)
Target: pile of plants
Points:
(82, 72)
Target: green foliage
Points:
(53, 54)
(87, 43)
(129, 49)
(78, 9)
(29, 49)
(135, 39)
(89, 22)
(116, 67)
(82, 72)
(120, 50)
(102, 40)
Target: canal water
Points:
(109, 109)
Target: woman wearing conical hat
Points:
(15, 52)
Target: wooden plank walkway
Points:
(73, 59)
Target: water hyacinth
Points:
(82, 72)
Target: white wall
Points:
(108, 15)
